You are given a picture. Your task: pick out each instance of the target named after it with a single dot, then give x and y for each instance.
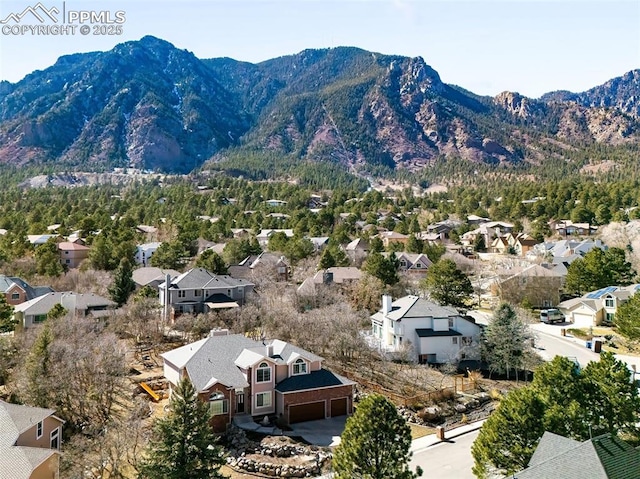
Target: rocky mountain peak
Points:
(514, 103)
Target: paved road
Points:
(548, 345)
(447, 460)
(551, 344)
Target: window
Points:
(39, 430)
(67, 261)
(466, 341)
(54, 438)
(218, 407)
(450, 323)
(263, 374)
(299, 367)
(609, 318)
(182, 293)
(609, 303)
(15, 295)
(39, 318)
(418, 265)
(198, 292)
(454, 340)
(263, 399)
(218, 404)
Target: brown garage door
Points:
(306, 412)
(338, 407)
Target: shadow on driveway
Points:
(325, 432)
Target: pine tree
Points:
(123, 284)
(326, 260)
(627, 318)
(7, 321)
(447, 284)
(508, 438)
(37, 368)
(506, 341)
(212, 261)
(183, 444)
(375, 443)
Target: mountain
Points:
(149, 104)
(144, 103)
(621, 93)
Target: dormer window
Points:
(263, 373)
(299, 367)
(609, 303)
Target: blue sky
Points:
(484, 46)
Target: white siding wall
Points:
(171, 373)
(441, 324)
(441, 346)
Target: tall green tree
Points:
(447, 284)
(7, 321)
(48, 259)
(509, 437)
(506, 342)
(610, 397)
(563, 400)
(123, 284)
(599, 269)
(212, 261)
(375, 443)
(183, 445)
(627, 318)
(385, 269)
(326, 260)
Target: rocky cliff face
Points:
(153, 106)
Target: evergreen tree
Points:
(627, 318)
(611, 399)
(506, 342)
(509, 437)
(479, 244)
(7, 321)
(447, 284)
(183, 445)
(37, 368)
(375, 443)
(599, 269)
(48, 259)
(211, 261)
(123, 284)
(326, 260)
(385, 269)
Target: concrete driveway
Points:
(325, 432)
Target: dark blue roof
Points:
(428, 333)
(313, 380)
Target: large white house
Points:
(430, 333)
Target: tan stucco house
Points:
(29, 442)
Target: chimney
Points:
(218, 332)
(269, 349)
(386, 303)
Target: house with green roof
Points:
(239, 376)
(603, 457)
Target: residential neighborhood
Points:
(284, 335)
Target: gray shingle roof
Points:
(18, 462)
(315, 379)
(83, 302)
(200, 278)
(31, 292)
(603, 457)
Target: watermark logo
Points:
(39, 20)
